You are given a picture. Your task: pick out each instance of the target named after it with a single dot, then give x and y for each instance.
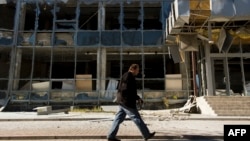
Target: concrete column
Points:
(203, 71)
(23, 16)
(227, 77)
(101, 17)
(16, 53)
(101, 53)
(184, 71)
(209, 71)
(193, 54)
(101, 70)
(209, 64)
(17, 69)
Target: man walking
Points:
(127, 98)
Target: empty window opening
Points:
(88, 16)
(152, 19)
(132, 16)
(112, 16)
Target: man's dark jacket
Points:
(128, 91)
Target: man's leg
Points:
(119, 118)
(135, 116)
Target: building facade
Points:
(73, 52)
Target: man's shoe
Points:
(151, 135)
(115, 139)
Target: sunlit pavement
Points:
(94, 127)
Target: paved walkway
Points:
(75, 125)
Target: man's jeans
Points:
(133, 115)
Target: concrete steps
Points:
(229, 105)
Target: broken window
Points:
(86, 75)
(45, 18)
(7, 12)
(152, 16)
(112, 17)
(4, 71)
(29, 15)
(65, 16)
(65, 44)
(88, 16)
(132, 16)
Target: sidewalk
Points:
(29, 125)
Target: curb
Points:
(110, 119)
(221, 118)
(189, 137)
(58, 119)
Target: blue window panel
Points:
(5, 41)
(111, 38)
(132, 38)
(87, 38)
(152, 38)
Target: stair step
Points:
(229, 100)
(230, 108)
(229, 105)
(233, 113)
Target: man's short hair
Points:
(133, 67)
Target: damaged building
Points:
(73, 52)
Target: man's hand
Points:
(140, 101)
(139, 104)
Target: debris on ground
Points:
(189, 107)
